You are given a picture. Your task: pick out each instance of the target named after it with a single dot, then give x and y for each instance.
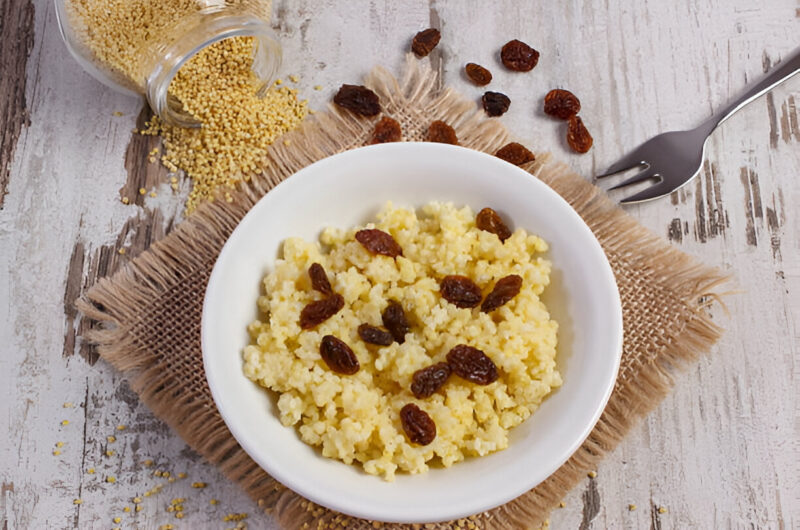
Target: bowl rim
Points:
(341, 503)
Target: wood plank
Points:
(717, 453)
(16, 41)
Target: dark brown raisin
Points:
(394, 318)
(387, 130)
(578, 136)
(419, 427)
(318, 312)
(490, 221)
(472, 364)
(504, 290)
(515, 153)
(358, 99)
(375, 335)
(338, 355)
(442, 133)
(495, 103)
(460, 291)
(518, 56)
(379, 242)
(319, 280)
(561, 104)
(428, 380)
(425, 41)
(478, 74)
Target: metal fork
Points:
(674, 158)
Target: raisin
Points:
(561, 104)
(419, 427)
(460, 291)
(318, 312)
(495, 103)
(319, 280)
(518, 56)
(478, 74)
(358, 99)
(338, 355)
(386, 130)
(375, 335)
(394, 318)
(442, 133)
(515, 153)
(472, 364)
(578, 136)
(379, 242)
(489, 221)
(504, 290)
(428, 380)
(425, 41)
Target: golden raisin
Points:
(338, 355)
(504, 290)
(515, 153)
(386, 130)
(578, 136)
(318, 312)
(489, 220)
(379, 242)
(419, 427)
(442, 133)
(478, 74)
(518, 56)
(425, 41)
(561, 104)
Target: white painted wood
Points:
(722, 449)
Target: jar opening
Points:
(173, 56)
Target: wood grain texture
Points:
(720, 452)
(16, 41)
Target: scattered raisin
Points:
(375, 335)
(338, 355)
(442, 133)
(518, 56)
(478, 74)
(394, 318)
(379, 242)
(472, 364)
(460, 291)
(358, 99)
(495, 103)
(320, 311)
(515, 153)
(419, 427)
(504, 290)
(561, 104)
(319, 280)
(428, 380)
(490, 221)
(387, 130)
(578, 136)
(425, 41)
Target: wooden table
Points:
(721, 451)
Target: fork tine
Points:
(626, 162)
(653, 192)
(647, 174)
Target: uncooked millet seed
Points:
(238, 127)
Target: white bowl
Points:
(349, 189)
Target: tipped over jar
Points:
(138, 46)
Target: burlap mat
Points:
(150, 311)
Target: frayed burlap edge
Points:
(118, 301)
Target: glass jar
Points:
(137, 46)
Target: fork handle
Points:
(783, 71)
